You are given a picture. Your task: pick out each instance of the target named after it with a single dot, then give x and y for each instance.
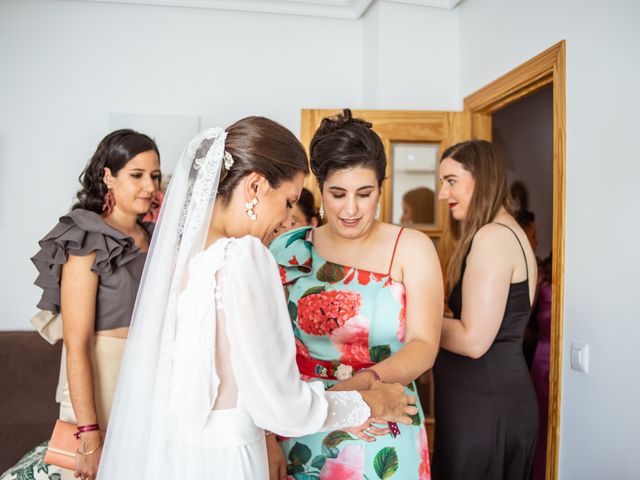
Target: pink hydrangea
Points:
(322, 313)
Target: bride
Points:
(209, 368)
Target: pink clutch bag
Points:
(63, 446)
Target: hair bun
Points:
(340, 121)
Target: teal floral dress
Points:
(343, 315)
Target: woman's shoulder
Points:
(495, 235)
(296, 237)
(79, 233)
(289, 247)
(497, 244)
(412, 242)
(293, 254)
(247, 250)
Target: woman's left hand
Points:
(368, 431)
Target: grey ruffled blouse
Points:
(119, 263)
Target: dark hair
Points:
(345, 142)
(306, 203)
(488, 167)
(525, 218)
(260, 145)
(114, 152)
(520, 195)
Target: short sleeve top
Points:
(119, 263)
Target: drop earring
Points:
(321, 211)
(109, 202)
(250, 212)
(377, 216)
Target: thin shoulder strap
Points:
(521, 247)
(395, 247)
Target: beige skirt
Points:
(106, 359)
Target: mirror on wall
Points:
(415, 181)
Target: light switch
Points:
(580, 356)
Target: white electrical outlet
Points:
(580, 356)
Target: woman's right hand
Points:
(87, 465)
(389, 402)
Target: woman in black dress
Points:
(485, 406)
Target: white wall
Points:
(600, 417)
(66, 65)
(411, 58)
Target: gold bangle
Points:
(84, 454)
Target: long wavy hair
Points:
(488, 168)
(114, 152)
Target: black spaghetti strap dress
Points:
(486, 409)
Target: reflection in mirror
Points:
(414, 180)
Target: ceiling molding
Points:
(345, 9)
(448, 4)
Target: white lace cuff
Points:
(346, 409)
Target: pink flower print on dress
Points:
(283, 274)
(322, 313)
(301, 349)
(352, 340)
(364, 276)
(349, 465)
(424, 469)
(399, 293)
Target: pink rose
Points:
(399, 293)
(348, 466)
(352, 340)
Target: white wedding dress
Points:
(210, 357)
(236, 339)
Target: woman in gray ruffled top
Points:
(89, 268)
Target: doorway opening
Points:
(524, 132)
(503, 111)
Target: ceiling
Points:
(346, 9)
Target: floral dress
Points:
(343, 316)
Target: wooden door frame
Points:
(547, 68)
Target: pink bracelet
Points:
(375, 374)
(86, 428)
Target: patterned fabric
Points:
(32, 467)
(343, 314)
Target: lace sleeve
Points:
(346, 409)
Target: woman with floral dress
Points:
(365, 300)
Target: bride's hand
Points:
(277, 461)
(390, 403)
